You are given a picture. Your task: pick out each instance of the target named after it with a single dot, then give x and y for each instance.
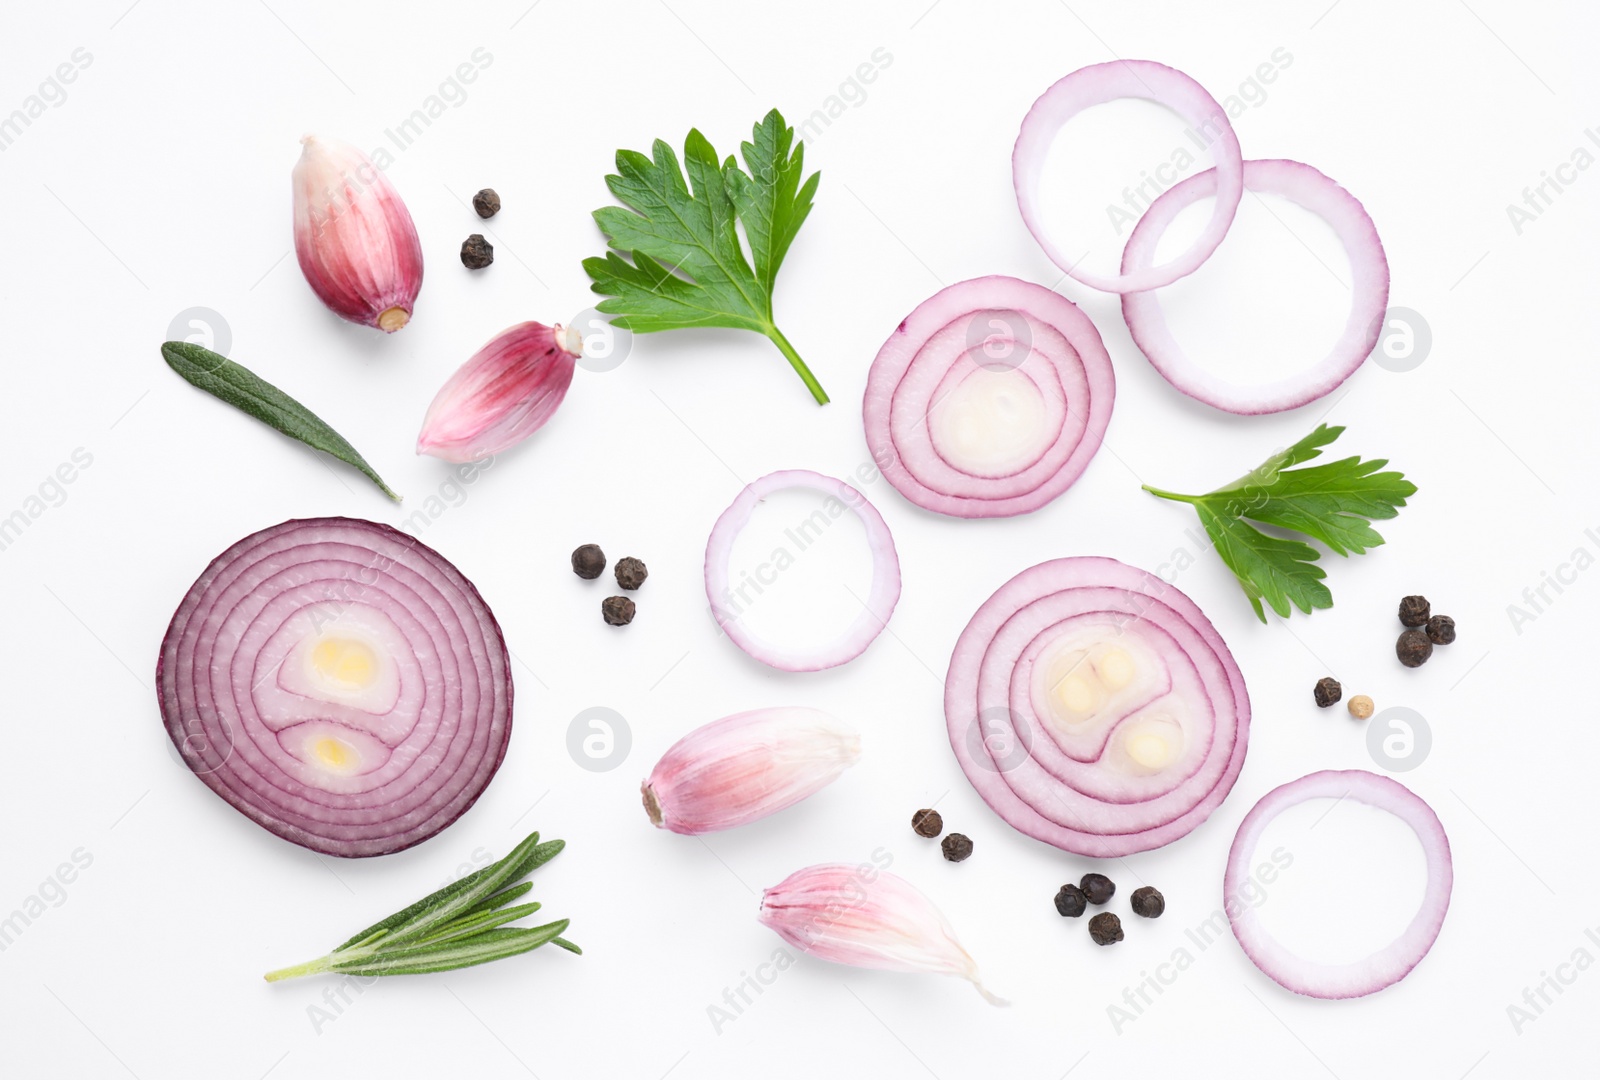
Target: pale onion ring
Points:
(1369, 267)
(881, 598)
(1386, 966)
(1096, 85)
(1063, 356)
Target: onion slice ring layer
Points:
(881, 599)
(1096, 85)
(1386, 966)
(1313, 191)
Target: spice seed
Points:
(476, 252)
(1098, 888)
(1414, 610)
(927, 823)
(1070, 902)
(1105, 928)
(956, 847)
(1148, 902)
(1360, 706)
(486, 203)
(588, 561)
(1326, 692)
(617, 610)
(1441, 630)
(631, 572)
(1413, 648)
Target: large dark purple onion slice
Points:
(339, 683)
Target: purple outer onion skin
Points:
(1097, 828)
(313, 573)
(902, 446)
(880, 602)
(1095, 85)
(1383, 968)
(1349, 220)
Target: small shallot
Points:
(855, 914)
(743, 767)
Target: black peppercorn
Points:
(486, 203)
(1070, 902)
(927, 823)
(476, 252)
(1413, 648)
(617, 610)
(956, 847)
(1441, 630)
(1327, 691)
(1413, 611)
(631, 572)
(588, 561)
(1105, 928)
(1098, 888)
(1148, 902)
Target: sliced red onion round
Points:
(1096, 85)
(989, 400)
(1386, 966)
(881, 598)
(1369, 294)
(339, 683)
(1094, 707)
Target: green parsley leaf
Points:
(688, 267)
(1333, 503)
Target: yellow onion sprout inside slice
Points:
(347, 657)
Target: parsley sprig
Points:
(688, 267)
(1333, 503)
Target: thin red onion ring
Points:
(994, 323)
(249, 714)
(1388, 965)
(1096, 85)
(1310, 189)
(880, 601)
(1068, 791)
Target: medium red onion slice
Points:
(339, 683)
(1388, 965)
(728, 602)
(1369, 294)
(1096, 85)
(1094, 707)
(989, 400)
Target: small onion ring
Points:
(1386, 966)
(881, 599)
(909, 376)
(1310, 189)
(222, 681)
(1096, 85)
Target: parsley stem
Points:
(798, 364)
(1171, 495)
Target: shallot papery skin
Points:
(858, 915)
(506, 392)
(743, 767)
(354, 237)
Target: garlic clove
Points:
(865, 917)
(508, 390)
(354, 237)
(746, 766)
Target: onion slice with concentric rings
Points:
(1369, 293)
(339, 683)
(1094, 707)
(726, 605)
(1388, 965)
(1096, 85)
(989, 399)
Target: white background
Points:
(161, 183)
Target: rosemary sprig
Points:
(458, 926)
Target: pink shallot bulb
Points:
(503, 394)
(745, 766)
(354, 237)
(859, 915)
